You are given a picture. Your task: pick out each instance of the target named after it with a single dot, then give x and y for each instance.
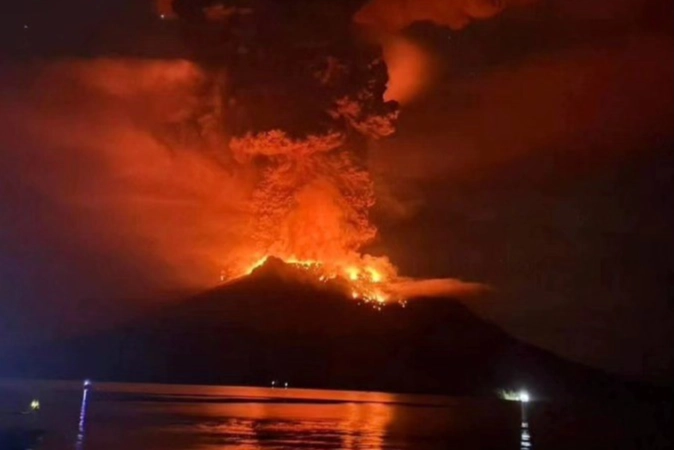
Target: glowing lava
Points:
(367, 279)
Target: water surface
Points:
(153, 417)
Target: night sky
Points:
(539, 161)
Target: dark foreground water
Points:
(152, 417)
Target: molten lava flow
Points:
(366, 280)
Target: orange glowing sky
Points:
(534, 160)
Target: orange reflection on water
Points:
(292, 418)
(366, 426)
(252, 418)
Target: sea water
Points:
(116, 416)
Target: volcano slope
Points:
(276, 324)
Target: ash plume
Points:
(393, 16)
(312, 199)
(209, 165)
(411, 67)
(113, 144)
(146, 169)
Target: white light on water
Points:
(79, 443)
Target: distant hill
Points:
(277, 325)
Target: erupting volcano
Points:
(364, 283)
(311, 190)
(291, 113)
(248, 156)
(310, 209)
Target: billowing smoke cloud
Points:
(535, 150)
(600, 101)
(132, 151)
(145, 171)
(412, 68)
(114, 143)
(145, 168)
(313, 198)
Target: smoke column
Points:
(192, 167)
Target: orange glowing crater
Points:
(367, 277)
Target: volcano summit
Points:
(280, 323)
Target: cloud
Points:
(541, 157)
(601, 101)
(112, 146)
(438, 287)
(392, 16)
(411, 67)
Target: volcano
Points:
(279, 325)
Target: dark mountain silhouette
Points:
(278, 325)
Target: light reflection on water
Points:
(525, 438)
(82, 422)
(157, 417)
(154, 417)
(257, 425)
